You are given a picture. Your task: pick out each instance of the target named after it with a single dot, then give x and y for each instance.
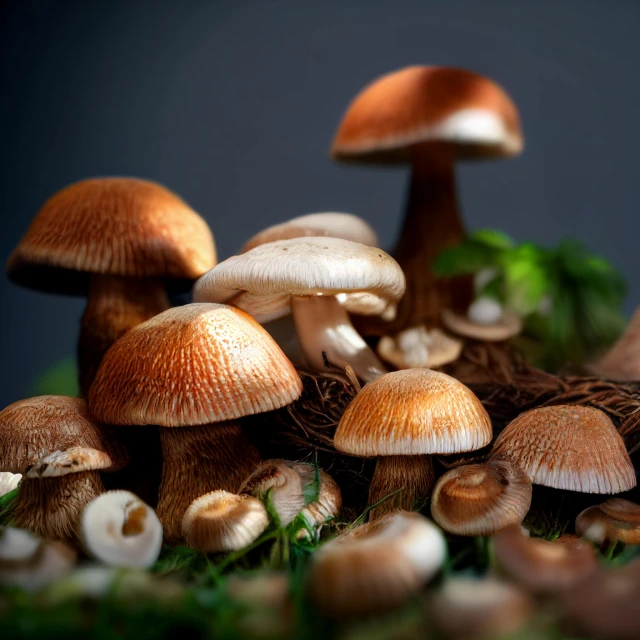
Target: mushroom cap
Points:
(72, 460)
(480, 499)
(508, 326)
(543, 565)
(222, 521)
(376, 566)
(413, 412)
(121, 530)
(615, 520)
(440, 351)
(568, 447)
(35, 428)
(112, 226)
(9, 482)
(262, 281)
(192, 365)
(428, 104)
(330, 224)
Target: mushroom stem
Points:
(412, 473)
(196, 461)
(51, 507)
(431, 223)
(114, 306)
(323, 327)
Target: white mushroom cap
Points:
(263, 280)
(8, 482)
(121, 530)
(508, 326)
(440, 349)
(485, 311)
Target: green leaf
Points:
(493, 238)
(61, 379)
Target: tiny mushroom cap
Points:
(543, 565)
(376, 566)
(616, 520)
(480, 499)
(568, 447)
(8, 482)
(426, 104)
(121, 530)
(489, 608)
(222, 521)
(438, 351)
(606, 604)
(507, 326)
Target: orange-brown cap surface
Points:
(616, 520)
(568, 447)
(193, 365)
(421, 104)
(114, 226)
(413, 412)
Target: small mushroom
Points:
(222, 521)
(416, 347)
(543, 565)
(377, 566)
(303, 276)
(186, 370)
(9, 482)
(402, 418)
(568, 447)
(121, 530)
(118, 241)
(616, 520)
(622, 361)
(480, 499)
(507, 325)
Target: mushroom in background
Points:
(613, 521)
(622, 362)
(485, 320)
(119, 241)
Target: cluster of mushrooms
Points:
(313, 292)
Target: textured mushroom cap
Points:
(440, 351)
(413, 412)
(508, 326)
(422, 104)
(262, 281)
(327, 502)
(222, 521)
(615, 520)
(115, 226)
(376, 566)
(73, 460)
(568, 447)
(329, 224)
(192, 365)
(120, 529)
(480, 499)
(34, 428)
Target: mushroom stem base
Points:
(412, 473)
(196, 461)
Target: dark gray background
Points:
(234, 104)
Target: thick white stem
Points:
(323, 326)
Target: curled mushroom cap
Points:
(616, 520)
(480, 499)
(377, 566)
(506, 326)
(121, 530)
(222, 521)
(72, 460)
(568, 447)
(434, 350)
(542, 565)
(8, 482)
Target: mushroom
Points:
(568, 447)
(190, 367)
(429, 117)
(543, 565)
(622, 361)
(9, 482)
(478, 326)
(377, 566)
(222, 521)
(118, 241)
(415, 347)
(121, 530)
(488, 608)
(615, 520)
(480, 499)
(302, 276)
(59, 447)
(402, 418)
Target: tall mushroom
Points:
(59, 447)
(428, 117)
(190, 367)
(303, 276)
(119, 241)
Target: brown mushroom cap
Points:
(616, 520)
(568, 447)
(480, 499)
(114, 226)
(423, 104)
(509, 325)
(193, 365)
(413, 412)
(35, 428)
(442, 350)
